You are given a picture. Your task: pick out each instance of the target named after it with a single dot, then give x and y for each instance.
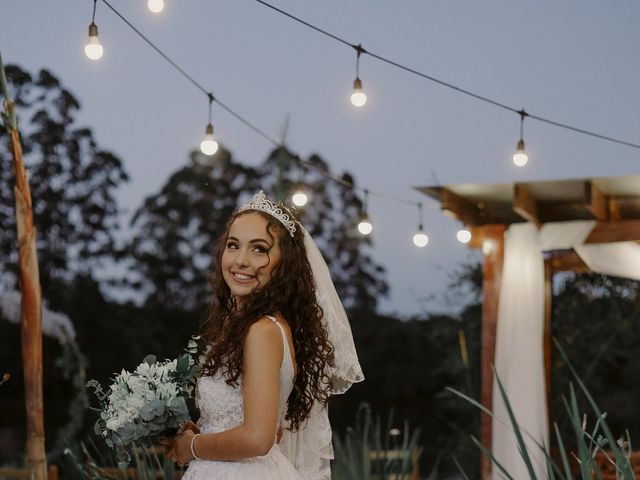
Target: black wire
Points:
(245, 121)
(585, 132)
(93, 16)
(248, 124)
(324, 32)
(447, 84)
(160, 52)
(189, 77)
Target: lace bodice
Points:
(221, 405)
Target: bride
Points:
(280, 344)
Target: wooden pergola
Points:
(488, 210)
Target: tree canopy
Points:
(73, 184)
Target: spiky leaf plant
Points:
(588, 443)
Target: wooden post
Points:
(548, 312)
(31, 305)
(493, 253)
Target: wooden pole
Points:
(493, 256)
(31, 305)
(548, 314)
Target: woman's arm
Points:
(263, 353)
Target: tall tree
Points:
(73, 184)
(176, 228)
(331, 217)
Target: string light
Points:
(209, 146)
(299, 196)
(358, 97)
(156, 6)
(520, 158)
(93, 50)
(464, 235)
(420, 239)
(433, 79)
(365, 227)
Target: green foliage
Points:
(371, 450)
(73, 184)
(597, 320)
(588, 443)
(407, 365)
(88, 463)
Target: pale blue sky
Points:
(574, 61)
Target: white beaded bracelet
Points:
(193, 452)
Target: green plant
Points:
(588, 444)
(371, 451)
(88, 463)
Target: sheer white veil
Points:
(310, 448)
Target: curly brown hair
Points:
(291, 293)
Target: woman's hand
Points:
(180, 451)
(189, 426)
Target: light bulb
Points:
(209, 146)
(156, 6)
(365, 227)
(358, 97)
(93, 49)
(520, 158)
(299, 198)
(420, 239)
(463, 235)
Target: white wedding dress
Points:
(221, 408)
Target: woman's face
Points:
(250, 255)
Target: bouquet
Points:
(152, 402)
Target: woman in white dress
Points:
(271, 365)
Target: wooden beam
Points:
(597, 203)
(548, 313)
(525, 204)
(480, 233)
(615, 213)
(566, 261)
(623, 231)
(493, 254)
(459, 208)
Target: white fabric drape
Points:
(519, 352)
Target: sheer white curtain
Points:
(519, 353)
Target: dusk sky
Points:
(576, 62)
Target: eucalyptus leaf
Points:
(149, 359)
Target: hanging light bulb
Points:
(358, 97)
(464, 235)
(299, 197)
(93, 49)
(365, 227)
(520, 158)
(209, 146)
(156, 6)
(420, 239)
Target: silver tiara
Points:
(262, 203)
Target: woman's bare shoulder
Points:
(264, 329)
